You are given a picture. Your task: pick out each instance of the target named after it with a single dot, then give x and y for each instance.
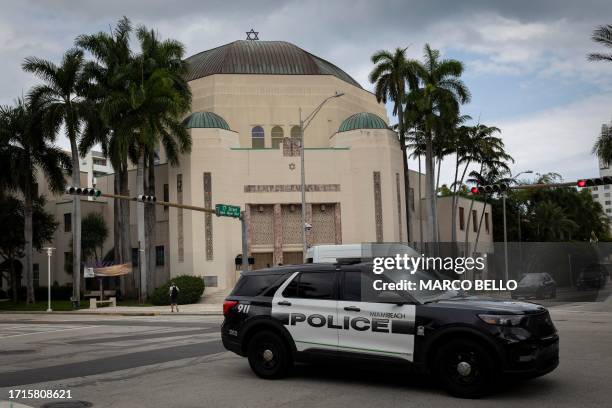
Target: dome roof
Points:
(205, 120)
(363, 120)
(261, 57)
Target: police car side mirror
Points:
(387, 296)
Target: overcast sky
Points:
(525, 60)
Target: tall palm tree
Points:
(393, 75)
(603, 146)
(165, 97)
(475, 144)
(111, 123)
(602, 35)
(415, 142)
(30, 150)
(434, 104)
(492, 171)
(551, 222)
(60, 99)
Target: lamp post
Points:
(49, 253)
(505, 227)
(303, 125)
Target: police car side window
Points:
(352, 286)
(254, 285)
(311, 285)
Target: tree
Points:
(30, 150)
(433, 105)
(551, 222)
(602, 35)
(603, 146)
(392, 74)
(94, 234)
(111, 124)
(12, 239)
(60, 98)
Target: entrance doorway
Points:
(262, 260)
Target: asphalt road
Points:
(178, 361)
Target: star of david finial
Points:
(252, 35)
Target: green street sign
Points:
(226, 210)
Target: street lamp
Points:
(49, 253)
(505, 227)
(304, 123)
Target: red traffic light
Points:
(581, 183)
(474, 190)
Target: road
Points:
(178, 361)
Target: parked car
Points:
(536, 285)
(592, 276)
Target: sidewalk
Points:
(193, 309)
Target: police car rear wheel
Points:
(268, 355)
(465, 368)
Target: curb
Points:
(77, 313)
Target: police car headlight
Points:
(502, 320)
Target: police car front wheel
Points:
(268, 355)
(465, 368)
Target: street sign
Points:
(226, 210)
(88, 273)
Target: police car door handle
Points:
(284, 303)
(352, 309)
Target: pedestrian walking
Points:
(173, 292)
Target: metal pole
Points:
(49, 252)
(505, 241)
(303, 188)
(245, 256)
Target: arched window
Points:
(277, 137)
(257, 138)
(296, 133)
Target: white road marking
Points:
(46, 331)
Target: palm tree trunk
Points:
(420, 212)
(140, 212)
(453, 201)
(27, 215)
(126, 242)
(467, 226)
(14, 278)
(436, 199)
(76, 220)
(150, 225)
(429, 189)
(402, 138)
(480, 224)
(117, 253)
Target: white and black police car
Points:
(278, 316)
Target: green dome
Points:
(363, 120)
(199, 120)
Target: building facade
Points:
(248, 100)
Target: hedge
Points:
(190, 290)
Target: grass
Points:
(56, 305)
(60, 305)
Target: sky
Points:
(525, 61)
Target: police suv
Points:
(278, 316)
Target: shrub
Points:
(190, 290)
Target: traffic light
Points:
(85, 191)
(594, 181)
(146, 198)
(490, 189)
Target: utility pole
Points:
(245, 255)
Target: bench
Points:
(96, 293)
(93, 302)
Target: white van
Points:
(331, 253)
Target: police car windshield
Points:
(423, 295)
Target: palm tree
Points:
(60, 99)
(602, 35)
(475, 144)
(434, 105)
(415, 141)
(551, 223)
(492, 171)
(603, 146)
(109, 77)
(30, 150)
(165, 97)
(393, 73)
